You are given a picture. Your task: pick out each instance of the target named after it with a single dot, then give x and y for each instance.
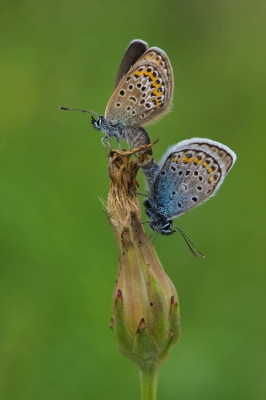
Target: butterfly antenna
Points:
(189, 243)
(78, 109)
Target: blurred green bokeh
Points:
(58, 254)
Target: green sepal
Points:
(145, 347)
(175, 325)
(159, 312)
(124, 340)
(174, 329)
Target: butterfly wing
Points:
(145, 93)
(190, 173)
(159, 57)
(134, 51)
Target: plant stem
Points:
(149, 381)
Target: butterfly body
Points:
(189, 173)
(135, 135)
(143, 93)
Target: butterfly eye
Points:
(97, 123)
(167, 227)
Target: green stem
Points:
(149, 380)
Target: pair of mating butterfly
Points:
(190, 171)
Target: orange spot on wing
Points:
(197, 161)
(186, 159)
(155, 85)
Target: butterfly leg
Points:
(142, 194)
(128, 143)
(107, 138)
(102, 140)
(151, 236)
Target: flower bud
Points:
(145, 308)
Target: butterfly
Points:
(143, 93)
(189, 173)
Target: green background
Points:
(59, 259)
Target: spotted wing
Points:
(190, 173)
(134, 51)
(144, 93)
